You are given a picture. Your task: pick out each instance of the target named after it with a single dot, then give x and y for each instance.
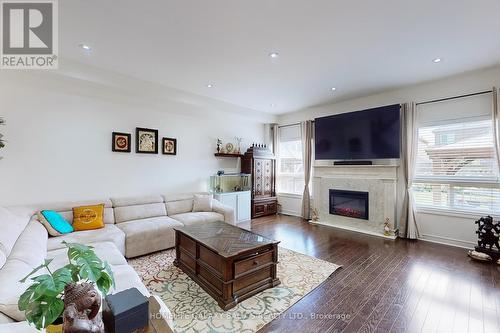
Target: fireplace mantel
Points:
(389, 172)
(378, 180)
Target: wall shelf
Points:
(227, 155)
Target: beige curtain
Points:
(408, 222)
(274, 139)
(496, 124)
(306, 130)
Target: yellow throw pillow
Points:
(88, 217)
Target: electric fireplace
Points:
(349, 203)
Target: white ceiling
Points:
(358, 46)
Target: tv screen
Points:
(368, 134)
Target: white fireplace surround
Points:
(380, 181)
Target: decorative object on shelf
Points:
(42, 302)
(387, 227)
(219, 145)
(220, 173)
(121, 142)
(314, 215)
(488, 237)
(480, 256)
(238, 144)
(261, 164)
(81, 309)
(2, 142)
(229, 148)
(169, 146)
(146, 141)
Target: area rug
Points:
(193, 310)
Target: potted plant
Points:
(43, 301)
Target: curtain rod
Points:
(455, 97)
(294, 124)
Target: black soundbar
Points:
(352, 163)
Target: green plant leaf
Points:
(105, 283)
(110, 273)
(44, 311)
(89, 269)
(27, 297)
(47, 286)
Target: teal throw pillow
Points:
(55, 224)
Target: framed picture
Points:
(169, 146)
(146, 141)
(121, 142)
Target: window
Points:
(290, 168)
(456, 167)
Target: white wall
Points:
(59, 127)
(454, 230)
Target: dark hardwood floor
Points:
(386, 286)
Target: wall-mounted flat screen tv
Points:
(361, 135)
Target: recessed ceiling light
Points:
(85, 47)
(274, 55)
(436, 60)
(210, 85)
(333, 89)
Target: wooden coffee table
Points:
(231, 264)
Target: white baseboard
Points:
(447, 241)
(290, 213)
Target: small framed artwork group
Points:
(146, 142)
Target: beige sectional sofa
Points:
(133, 227)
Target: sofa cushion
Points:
(135, 208)
(110, 233)
(148, 235)
(4, 319)
(11, 226)
(29, 251)
(136, 212)
(106, 251)
(126, 277)
(198, 217)
(202, 203)
(178, 203)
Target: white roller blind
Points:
(455, 110)
(459, 151)
(455, 166)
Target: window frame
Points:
(452, 181)
(294, 177)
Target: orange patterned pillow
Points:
(88, 217)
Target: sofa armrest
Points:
(228, 212)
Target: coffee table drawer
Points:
(243, 266)
(256, 278)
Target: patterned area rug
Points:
(194, 310)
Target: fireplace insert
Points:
(349, 203)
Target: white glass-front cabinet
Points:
(240, 201)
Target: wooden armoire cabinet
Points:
(261, 164)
